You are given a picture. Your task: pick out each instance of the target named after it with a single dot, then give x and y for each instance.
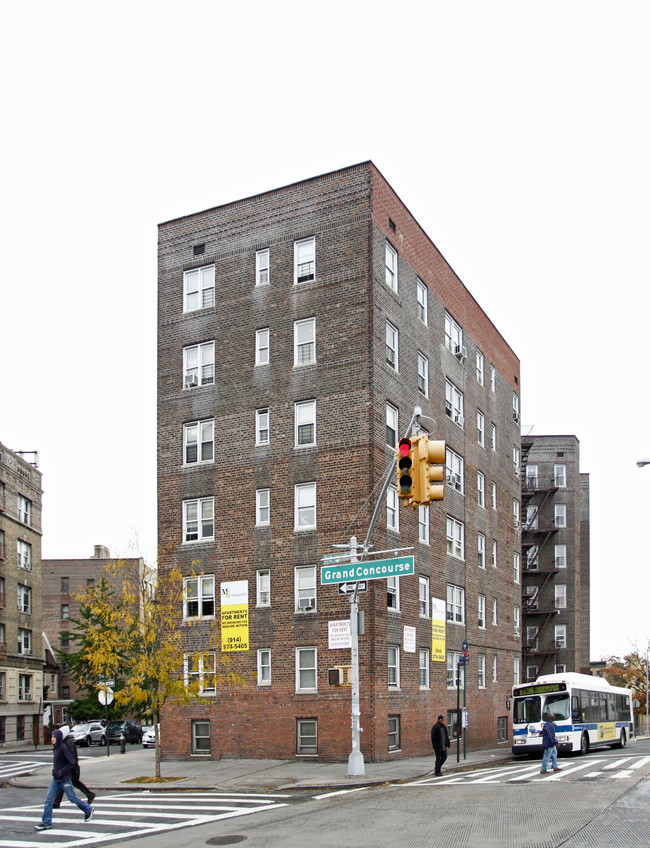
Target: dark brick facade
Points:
(351, 214)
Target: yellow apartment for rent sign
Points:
(234, 616)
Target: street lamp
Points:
(641, 463)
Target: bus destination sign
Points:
(539, 689)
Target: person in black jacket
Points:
(62, 766)
(440, 742)
(69, 742)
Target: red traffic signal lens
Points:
(405, 447)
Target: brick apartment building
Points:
(297, 331)
(21, 647)
(555, 556)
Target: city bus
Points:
(589, 713)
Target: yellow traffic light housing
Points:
(429, 474)
(404, 454)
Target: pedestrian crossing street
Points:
(589, 768)
(125, 815)
(12, 768)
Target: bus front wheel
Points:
(584, 744)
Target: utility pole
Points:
(355, 760)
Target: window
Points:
(263, 587)
(560, 668)
(24, 510)
(393, 667)
(515, 459)
(480, 488)
(392, 593)
(493, 378)
(515, 408)
(198, 597)
(394, 743)
(494, 553)
(454, 403)
(532, 476)
(560, 476)
(531, 557)
(24, 687)
(423, 301)
(2, 593)
(424, 668)
(423, 524)
(480, 428)
(560, 556)
(306, 736)
(493, 436)
(423, 374)
(65, 611)
(24, 641)
(262, 346)
(391, 267)
(198, 365)
(516, 564)
(494, 495)
(560, 515)
(532, 633)
(480, 368)
(455, 470)
(531, 672)
(64, 639)
(198, 442)
(65, 585)
(495, 617)
(481, 612)
(516, 671)
(306, 670)
(391, 425)
(392, 342)
(200, 737)
(560, 635)
(262, 507)
(481, 550)
(502, 729)
(455, 673)
(494, 669)
(516, 513)
(2, 544)
(453, 335)
(305, 506)
(560, 596)
(198, 288)
(304, 258)
(423, 596)
(455, 604)
(24, 599)
(262, 269)
(3, 687)
(304, 342)
(262, 427)
(264, 667)
(305, 423)
(24, 552)
(198, 520)
(305, 588)
(516, 618)
(392, 509)
(481, 671)
(531, 517)
(201, 669)
(455, 538)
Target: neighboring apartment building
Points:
(21, 648)
(555, 556)
(63, 580)
(297, 331)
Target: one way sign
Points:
(348, 588)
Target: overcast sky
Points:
(516, 133)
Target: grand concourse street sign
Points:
(369, 570)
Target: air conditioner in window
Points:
(460, 353)
(559, 643)
(459, 420)
(515, 416)
(306, 603)
(516, 522)
(191, 380)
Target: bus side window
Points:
(576, 714)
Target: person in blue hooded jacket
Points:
(549, 744)
(62, 769)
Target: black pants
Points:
(76, 782)
(441, 756)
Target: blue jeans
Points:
(549, 754)
(64, 786)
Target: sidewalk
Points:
(112, 773)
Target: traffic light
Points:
(404, 454)
(429, 472)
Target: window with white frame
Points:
(494, 669)
(560, 635)
(532, 476)
(198, 288)
(493, 436)
(423, 596)
(531, 671)
(262, 267)
(25, 687)
(481, 550)
(393, 667)
(531, 637)
(516, 671)
(480, 428)
(560, 515)
(24, 599)
(480, 488)
(559, 474)
(198, 520)
(306, 665)
(391, 425)
(423, 524)
(264, 667)
(424, 668)
(516, 618)
(304, 341)
(481, 671)
(198, 365)
(455, 538)
(423, 374)
(480, 368)
(454, 403)
(516, 566)
(560, 668)
(306, 736)
(262, 346)
(262, 507)
(305, 506)
(515, 408)
(531, 557)
(2, 544)
(423, 301)
(198, 442)
(392, 345)
(392, 509)
(453, 335)
(516, 454)
(305, 423)
(262, 426)
(392, 593)
(198, 597)
(201, 672)
(200, 737)
(495, 612)
(305, 588)
(494, 494)
(391, 267)
(493, 378)
(531, 517)
(560, 556)
(495, 553)
(481, 612)
(455, 470)
(24, 553)
(455, 604)
(304, 256)
(24, 509)
(24, 641)
(3, 688)
(263, 586)
(455, 673)
(560, 596)
(516, 513)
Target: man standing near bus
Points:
(440, 742)
(549, 743)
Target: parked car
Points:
(86, 734)
(132, 731)
(148, 737)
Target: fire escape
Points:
(537, 534)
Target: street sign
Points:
(369, 570)
(105, 696)
(110, 683)
(327, 559)
(465, 646)
(348, 588)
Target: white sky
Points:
(516, 133)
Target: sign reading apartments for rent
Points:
(234, 616)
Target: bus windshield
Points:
(527, 710)
(558, 705)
